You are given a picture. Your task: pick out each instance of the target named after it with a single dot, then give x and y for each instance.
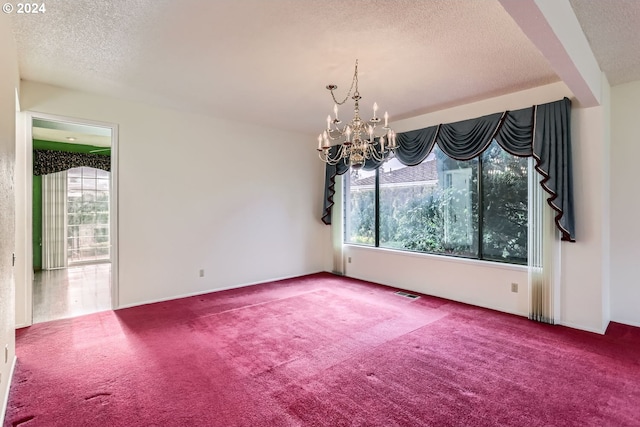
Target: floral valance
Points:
(542, 131)
(51, 161)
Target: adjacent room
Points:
(71, 225)
(336, 213)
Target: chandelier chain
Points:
(354, 82)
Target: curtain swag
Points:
(51, 161)
(542, 131)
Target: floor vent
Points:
(407, 295)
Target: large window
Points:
(87, 215)
(475, 209)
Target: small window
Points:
(87, 215)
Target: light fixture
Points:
(71, 138)
(357, 140)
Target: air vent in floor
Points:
(407, 295)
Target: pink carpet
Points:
(321, 350)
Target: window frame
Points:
(479, 225)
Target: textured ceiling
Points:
(612, 28)
(268, 62)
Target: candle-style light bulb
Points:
(325, 137)
(382, 144)
(335, 110)
(320, 142)
(328, 122)
(348, 133)
(370, 133)
(386, 119)
(375, 109)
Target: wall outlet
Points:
(201, 273)
(514, 287)
(349, 260)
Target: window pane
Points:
(431, 207)
(74, 183)
(88, 218)
(360, 207)
(407, 200)
(88, 215)
(102, 218)
(103, 174)
(88, 172)
(88, 197)
(74, 173)
(505, 196)
(100, 235)
(102, 196)
(73, 219)
(88, 183)
(102, 253)
(103, 184)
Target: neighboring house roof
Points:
(422, 173)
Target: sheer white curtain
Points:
(544, 254)
(54, 220)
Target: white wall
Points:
(249, 216)
(585, 264)
(9, 82)
(480, 283)
(625, 203)
(488, 284)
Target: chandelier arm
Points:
(326, 157)
(378, 156)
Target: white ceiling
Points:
(268, 62)
(68, 133)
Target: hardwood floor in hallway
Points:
(71, 292)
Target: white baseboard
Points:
(3, 410)
(583, 328)
(627, 322)
(208, 291)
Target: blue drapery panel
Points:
(552, 151)
(330, 182)
(542, 131)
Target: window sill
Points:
(440, 258)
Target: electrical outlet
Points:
(201, 273)
(514, 287)
(349, 260)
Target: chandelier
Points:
(358, 140)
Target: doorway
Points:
(74, 217)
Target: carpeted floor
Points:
(321, 350)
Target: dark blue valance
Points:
(542, 131)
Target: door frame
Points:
(28, 209)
